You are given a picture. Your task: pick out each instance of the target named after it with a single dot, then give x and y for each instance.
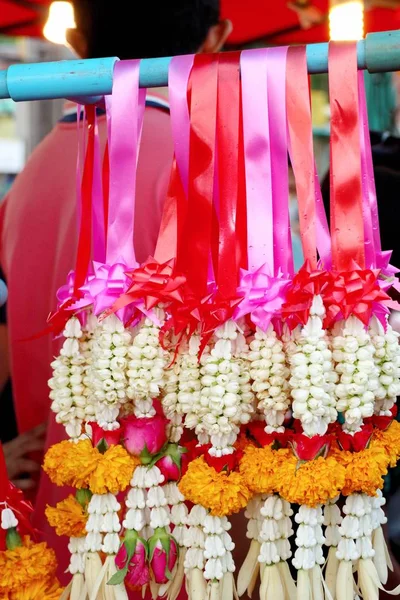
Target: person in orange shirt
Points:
(38, 234)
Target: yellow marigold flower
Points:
(310, 483)
(68, 518)
(25, 566)
(38, 591)
(113, 472)
(258, 469)
(365, 470)
(71, 464)
(389, 440)
(222, 493)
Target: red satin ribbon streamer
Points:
(347, 228)
(106, 186)
(228, 171)
(85, 234)
(301, 142)
(197, 236)
(241, 214)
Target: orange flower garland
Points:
(222, 493)
(309, 483)
(82, 466)
(389, 439)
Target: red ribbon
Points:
(356, 293)
(347, 227)
(85, 234)
(228, 126)
(197, 236)
(301, 142)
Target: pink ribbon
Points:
(257, 149)
(374, 255)
(66, 292)
(264, 295)
(127, 118)
(276, 78)
(178, 77)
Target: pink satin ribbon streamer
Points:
(276, 77)
(257, 158)
(257, 149)
(99, 236)
(178, 78)
(126, 125)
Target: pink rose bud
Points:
(144, 437)
(131, 561)
(103, 439)
(173, 462)
(163, 555)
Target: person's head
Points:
(147, 29)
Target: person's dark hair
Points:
(145, 29)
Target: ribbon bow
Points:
(263, 295)
(356, 292)
(153, 283)
(305, 285)
(108, 283)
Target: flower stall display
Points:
(27, 567)
(212, 379)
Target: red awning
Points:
(271, 20)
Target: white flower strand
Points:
(67, 383)
(332, 522)
(194, 539)
(270, 377)
(147, 364)
(8, 519)
(146, 502)
(313, 376)
(103, 525)
(77, 549)
(387, 361)
(309, 538)
(356, 529)
(218, 547)
(276, 530)
(183, 389)
(178, 511)
(353, 353)
(226, 398)
(250, 568)
(110, 348)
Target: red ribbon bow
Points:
(357, 293)
(153, 282)
(306, 284)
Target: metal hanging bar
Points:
(90, 79)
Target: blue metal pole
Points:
(88, 80)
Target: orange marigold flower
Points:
(38, 591)
(389, 440)
(71, 464)
(68, 518)
(25, 566)
(365, 470)
(221, 493)
(113, 472)
(311, 483)
(258, 469)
